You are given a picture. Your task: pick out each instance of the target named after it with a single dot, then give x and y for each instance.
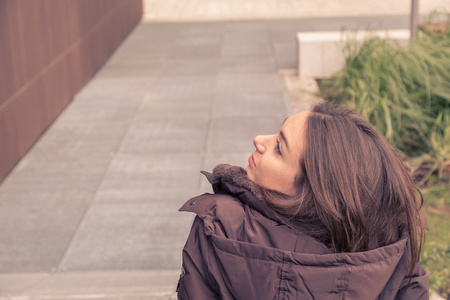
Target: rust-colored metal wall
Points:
(48, 50)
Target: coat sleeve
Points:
(196, 281)
(417, 288)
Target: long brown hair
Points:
(353, 191)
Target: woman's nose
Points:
(260, 141)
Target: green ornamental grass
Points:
(405, 93)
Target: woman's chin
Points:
(248, 169)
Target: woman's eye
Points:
(277, 147)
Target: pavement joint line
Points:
(93, 201)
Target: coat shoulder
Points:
(213, 204)
(221, 214)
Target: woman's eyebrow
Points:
(283, 137)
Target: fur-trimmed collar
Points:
(233, 180)
(233, 175)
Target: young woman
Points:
(325, 209)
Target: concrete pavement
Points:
(91, 210)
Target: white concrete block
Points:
(320, 54)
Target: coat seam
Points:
(343, 285)
(282, 277)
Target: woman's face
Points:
(276, 160)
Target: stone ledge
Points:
(320, 54)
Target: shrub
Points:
(405, 93)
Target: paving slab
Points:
(92, 110)
(196, 29)
(190, 39)
(168, 136)
(159, 52)
(84, 173)
(182, 84)
(248, 82)
(70, 142)
(151, 177)
(133, 69)
(117, 87)
(156, 31)
(251, 37)
(249, 104)
(195, 51)
(192, 66)
(116, 236)
(196, 106)
(250, 49)
(246, 27)
(37, 227)
(248, 64)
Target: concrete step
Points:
(111, 285)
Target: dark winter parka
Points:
(239, 248)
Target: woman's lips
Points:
(251, 161)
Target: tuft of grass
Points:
(437, 195)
